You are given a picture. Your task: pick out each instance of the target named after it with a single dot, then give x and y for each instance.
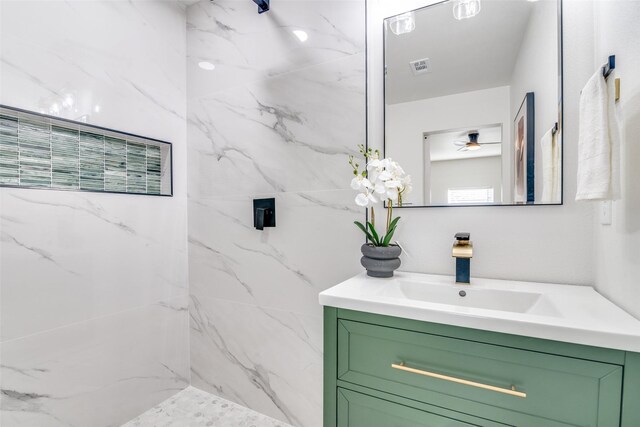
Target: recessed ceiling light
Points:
(206, 65)
(301, 35)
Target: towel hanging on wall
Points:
(598, 141)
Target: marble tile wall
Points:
(277, 117)
(93, 287)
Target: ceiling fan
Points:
(472, 144)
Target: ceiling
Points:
(441, 144)
(471, 54)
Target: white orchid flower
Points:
(385, 175)
(383, 179)
(366, 199)
(373, 176)
(395, 168)
(393, 183)
(406, 185)
(356, 183)
(375, 165)
(362, 200)
(359, 183)
(392, 194)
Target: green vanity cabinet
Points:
(392, 372)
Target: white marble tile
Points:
(196, 408)
(313, 246)
(268, 360)
(245, 46)
(289, 133)
(114, 54)
(102, 372)
(68, 256)
(122, 64)
(275, 118)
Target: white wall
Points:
(617, 245)
(536, 70)
(276, 118)
(407, 121)
(478, 172)
(94, 326)
(540, 243)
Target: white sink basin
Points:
(469, 296)
(576, 314)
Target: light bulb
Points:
(464, 9)
(68, 101)
(402, 24)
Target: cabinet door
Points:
(360, 410)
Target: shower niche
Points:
(47, 152)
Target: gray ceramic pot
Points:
(380, 261)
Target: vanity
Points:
(413, 351)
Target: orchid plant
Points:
(380, 180)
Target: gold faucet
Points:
(463, 252)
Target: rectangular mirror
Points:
(473, 101)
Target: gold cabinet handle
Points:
(511, 392)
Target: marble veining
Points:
(282, 268)
(245, 135)
(256, 369)
(277, 117)
(196, 408)
(96, 373)
(94, 308)
(335, 31)
(51, 234)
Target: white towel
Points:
(551, 169)
(599, 141)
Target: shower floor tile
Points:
(195, 408)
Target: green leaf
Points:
(392, 230)
(375, 235)
(394, 222)
(387, 239)
(364, 230)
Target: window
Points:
(459, 196)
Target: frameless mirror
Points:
(473, 96)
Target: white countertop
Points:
(574, 314)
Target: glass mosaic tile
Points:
(46, 152)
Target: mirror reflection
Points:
(472, 102)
